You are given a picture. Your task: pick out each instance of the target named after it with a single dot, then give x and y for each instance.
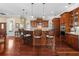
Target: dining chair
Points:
(28, 37)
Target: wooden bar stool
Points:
(50, 39)
(28, 37)
(37, 37)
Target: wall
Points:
(49, 18)
(18, 20)
(7, 20)
(10, 32)
(3, 19)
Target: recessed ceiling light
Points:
(66, 6)
(32, 16)
(43, 16)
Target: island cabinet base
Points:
(72, 40)
(41, 41)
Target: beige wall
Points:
(17, 20)
(3, 19)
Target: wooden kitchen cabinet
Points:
(76, 14)
(33, 23)
(67, 38)
(39, 20)
(56, 23)
(75, 41)
(45, 23)
(66, 19)
(72, 40)
(62, 20)
(41, 41)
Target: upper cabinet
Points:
(45, 23)
(66, 20)
(39, 21)
(62, 21)
(75, 14)
(33, 23)
(70, 19)
(56, 23)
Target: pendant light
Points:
(43, 10)
(22, 15)
(32, 10)
(68, 5)
(22, 25)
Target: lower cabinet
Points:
(72, 40)
(75, 41)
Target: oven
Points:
(62, 30)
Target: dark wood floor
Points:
(62, 49)
(15, 47)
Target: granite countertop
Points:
(47, 29)
(74, 33)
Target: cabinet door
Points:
(70, 40)
(62, 20)
(45, 23)
(33, 23)
(67, 38)
(75, 42)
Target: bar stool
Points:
(21, 33)
(28, 37)
(37, 37)
(50, 39)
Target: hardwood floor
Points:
(62, 49)
(15, 47)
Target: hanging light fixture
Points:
(32, 10)
(43, 10)
(68, 5)
(22, 16)
(22, 25)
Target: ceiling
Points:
(37, 9)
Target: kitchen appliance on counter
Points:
(77, 30)
(62, 32)
(62, 29)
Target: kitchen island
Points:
(38, 42)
